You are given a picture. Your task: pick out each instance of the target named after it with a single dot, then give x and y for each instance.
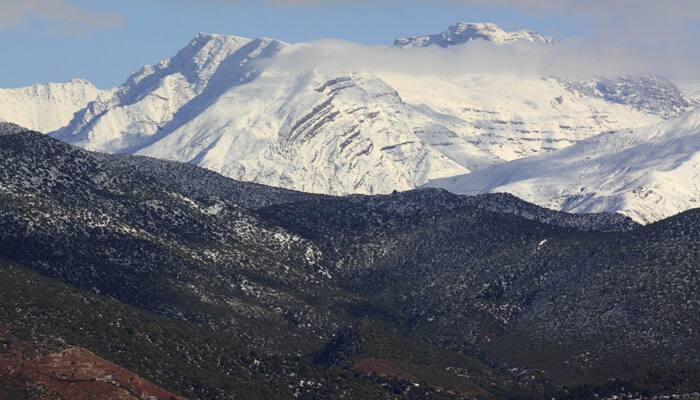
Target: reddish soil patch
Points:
(383, 367)
(388, 368)
(73, 373)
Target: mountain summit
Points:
(461, 33)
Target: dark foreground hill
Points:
(216, 289)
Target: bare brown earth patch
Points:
(383, 367)
(389, 368)
(49, 369)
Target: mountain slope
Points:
(570, 306)
(647, 174)
(416, 295)
(111, 233)
(236, 106)
(163, 283)
(46, 316)
(46, 108)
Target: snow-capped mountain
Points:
(648, 173)
(233, 105)
(47, 107)
(461, 33)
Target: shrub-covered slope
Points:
(212, 288)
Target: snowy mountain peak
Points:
(197, 61)
(29, 106)
(161, 98)
(210, 44)
(206, 36)
(461, 33)
(202, 38)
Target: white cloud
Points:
(620, 36)
(575, 59)
(66, 16)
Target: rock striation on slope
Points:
(648, 174)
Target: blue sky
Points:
(105, 40)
